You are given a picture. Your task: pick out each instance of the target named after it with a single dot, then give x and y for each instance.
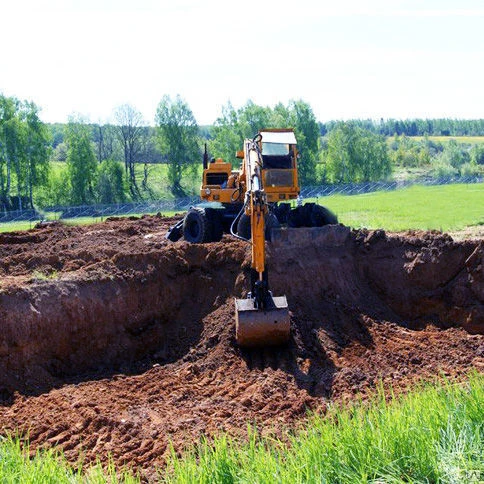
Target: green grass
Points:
(16, 226)
(444, 207)
(445, 139)
(49, 466)
(433, 434)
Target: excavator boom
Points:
(261, 319)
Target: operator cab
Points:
(279, 164)
(277, 149)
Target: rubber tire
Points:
(322, 216)
(197, 227)
(281, 211)
(244, 229)
(215, 218)
(306, 212)
(271, 223)
(310, 215)
(294, 218)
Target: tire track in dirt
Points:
(114, 341)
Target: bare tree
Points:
(129, 130)
(105, 139)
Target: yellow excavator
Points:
(249, 203)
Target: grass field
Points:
(433, 434)
(445, 139)
(444, 207)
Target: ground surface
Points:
(115, 341)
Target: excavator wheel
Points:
(215, 217)
(322, 216)
(202, 225)
(281, 211)
(294, 218)
(243, 226)
(310, 215)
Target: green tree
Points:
(178, 137)
(55, 192)
(340, 153)
(106, 141)
(110, 182)
(7, 113)
(16, 152)
(302, 119)
(455, 154)
(38, 150)
(252, 119)
(477, 154)
(24, 153)
(227, 134)
(355, 154)
(81, 161)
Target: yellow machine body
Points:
(220, 183)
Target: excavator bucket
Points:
(262, 327)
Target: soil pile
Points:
(116, 341)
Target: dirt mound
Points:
(115, 341)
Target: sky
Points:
(347, 58)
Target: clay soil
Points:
(116, 342)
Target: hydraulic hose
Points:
(236, 219)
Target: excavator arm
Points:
(261, 318)
(256, 209)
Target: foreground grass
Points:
(50, 467)
(433, 434)
(444, 207)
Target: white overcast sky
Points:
(346, 58)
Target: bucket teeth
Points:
(262, 327)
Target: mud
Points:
(116, 342)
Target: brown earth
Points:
(115, 341)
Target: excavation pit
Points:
(114, 340)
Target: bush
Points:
(441, 169)
(55, 192)
(455, 154)
(477, 154)
(469, 169)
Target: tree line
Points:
(415, 127)
(113, 162)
